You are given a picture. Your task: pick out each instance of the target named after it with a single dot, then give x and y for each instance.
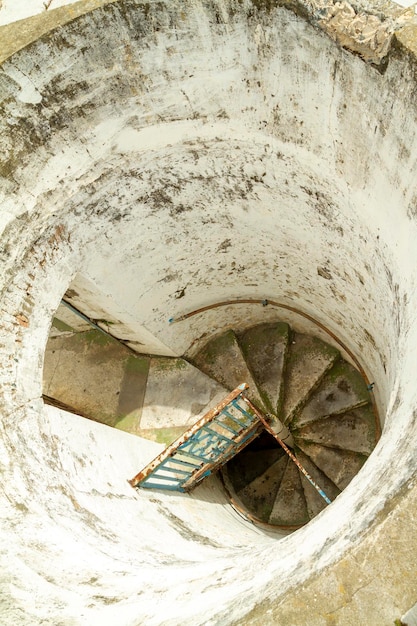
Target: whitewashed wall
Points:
(12, 10)
(159, 160)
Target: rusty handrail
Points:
(302, 469)
(171, 449)
(280, 305)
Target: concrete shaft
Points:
(159, 157)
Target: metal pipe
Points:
(92, 323)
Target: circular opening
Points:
(278, 172)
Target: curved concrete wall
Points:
(158, 160)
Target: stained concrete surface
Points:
(365, 586)
(336, 140)
(315, 502)
(222, 359)
(307, 362)
(339, 465)
(177, 394)
(96, 376)
(290, 504)
(341, 390)
(101, 379)
(354, 431)
(264, 348)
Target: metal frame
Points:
(212, 441)
(286, 449)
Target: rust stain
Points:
(58, 235)
(22, 319)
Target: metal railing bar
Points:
(286, 449)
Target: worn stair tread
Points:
(342, 389)
(290, 506)
(96, 376)
(315, 502)
(222, 359)
(184, 392)
(248, 465)
(260, 494)
(355, 431)
(308, 360)
(338, 465)
(264, 348)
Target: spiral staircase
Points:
(321, 407)
(315, 401)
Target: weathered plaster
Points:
(173, 158)
(367, 576)
(14, 36)
(363, 27)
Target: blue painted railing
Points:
(217, 437)
(212, 441)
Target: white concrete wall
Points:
(102, 552)
(173, 159)
(12, 10)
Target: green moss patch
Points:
(162, 435)
(62, 326)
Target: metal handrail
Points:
(302, 469)
(205, 468)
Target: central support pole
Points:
(280, 431)
(273, 432)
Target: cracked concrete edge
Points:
(345, 592)
(364, 28)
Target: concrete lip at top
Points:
(160, 159)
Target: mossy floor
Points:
(152, 397)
